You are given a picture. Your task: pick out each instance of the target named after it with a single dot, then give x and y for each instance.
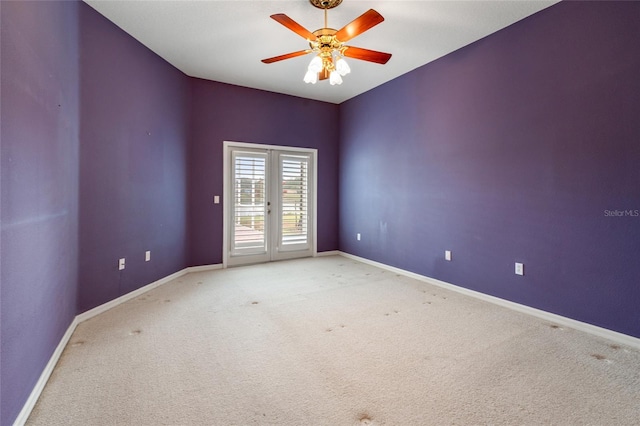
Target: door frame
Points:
(226, 196)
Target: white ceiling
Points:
(225, 40)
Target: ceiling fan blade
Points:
(366, 21)
(324, 74)
(294, 26)
(286, 56)
(367, 55)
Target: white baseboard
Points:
(203, 268)
(605, 333)
(46, 373)
(44, 377)
(131, 295)
(328, 253)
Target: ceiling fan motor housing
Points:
(325, 39)
(325, 45)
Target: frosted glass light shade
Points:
(311, 77)
(334, 78)
(315, 65)
(342, 67)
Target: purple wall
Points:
(39, 208)
(222, 112)
(133, 163)
(510, 149)
(94, 168)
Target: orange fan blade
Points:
(324, 74)
(367, 55)
(287, 56)
(294, 26)
(366, 21)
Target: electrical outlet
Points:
(358, 236)
(216, 199)
(147, 256)
(447, 255)
(121, 264)
(519, 268)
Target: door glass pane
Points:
(249, 208)
(295, 199)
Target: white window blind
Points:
(249, 202)
(295, 199)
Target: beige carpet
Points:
(330, 341)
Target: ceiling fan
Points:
(329, 44)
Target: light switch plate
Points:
(519, 268)
(121, 264)
(447, 255)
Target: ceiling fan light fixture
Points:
(311, 77)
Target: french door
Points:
(270, 203)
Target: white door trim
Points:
(226, 198)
